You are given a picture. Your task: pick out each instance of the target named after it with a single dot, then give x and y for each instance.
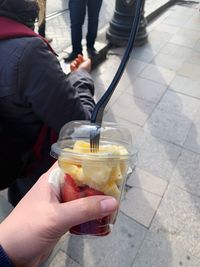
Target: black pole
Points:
(120, 25)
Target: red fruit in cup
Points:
(92, 192)
(69, 191)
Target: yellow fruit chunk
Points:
(111, 190)
(97, 172)
(81, 147)
(84, 147)
(79, 177)
(68, 167)
(114, 150)
(116, 175)
(73, 170)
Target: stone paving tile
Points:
(162, 27)
(175, 50)
(55, 253)
(126, 104)
(148, 182)
(197, 46)
(192, 141)
(187, 172)
(189, 33)
(147, 90)
(194, 58)
(151, 5)
(181, 39)
(159, 251)
(175, 21)
(156, 156)
(173, 117)
(158, 74)
(134, 128)
(168, 61)
(59, 29)
(180, 16)
(155, 24)
(190, 70)
(158, 39)
(144, 205)
(117, 249)
(178, 216)
(108, 69)
(62, 260)
(144, 53)
(56, 6)
(185, 86)
(193, 22)
(133, 69)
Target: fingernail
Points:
(108, 204)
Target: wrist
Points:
(10, 247)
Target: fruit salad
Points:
(88, 174)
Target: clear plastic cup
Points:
(86, 173)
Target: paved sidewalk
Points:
(158, 99)
(58, 22)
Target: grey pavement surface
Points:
(158, 99)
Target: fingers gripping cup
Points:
(85, 173)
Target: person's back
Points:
(20, 125)
(35, 92)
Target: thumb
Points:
(85, 209)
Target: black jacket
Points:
(35, 91)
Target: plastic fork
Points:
(97, 114)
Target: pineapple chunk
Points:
(81, 147)
(67, 167)
(73, 170)
(111, 190)
(84, 147)
(105, 175)
(98, 172)
(79, 177)
(116, 175)
(122, 150)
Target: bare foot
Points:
(81, 63)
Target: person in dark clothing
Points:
(77, 9)
(36, 97)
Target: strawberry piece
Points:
(99, 227)
(69, 191)
(92, 192)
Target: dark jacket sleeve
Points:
(55, 97)
(4, 259)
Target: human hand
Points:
(33, 228)
(81, 63)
